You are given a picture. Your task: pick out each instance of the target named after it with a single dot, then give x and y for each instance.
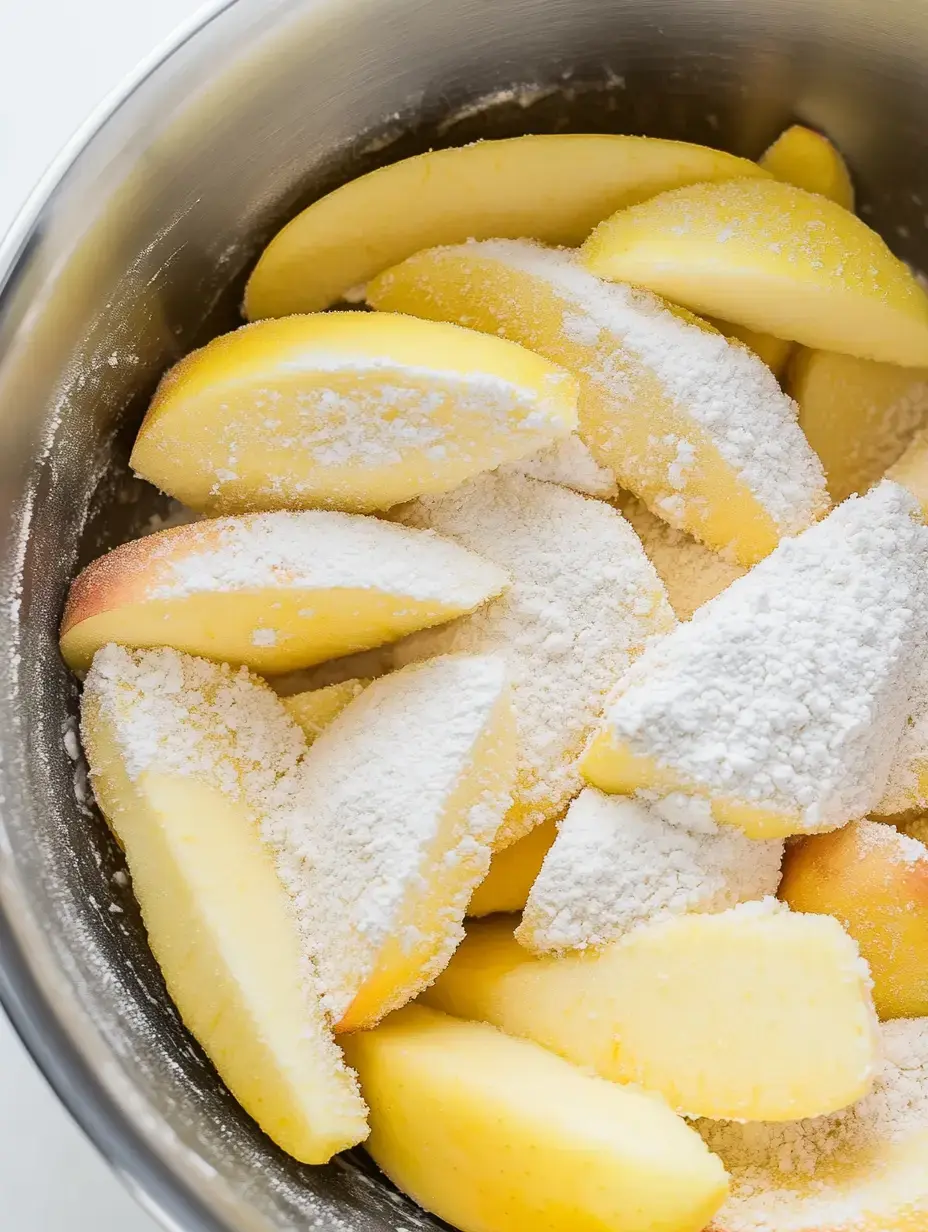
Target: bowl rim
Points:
(160, 1189)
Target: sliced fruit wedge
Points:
(692, 573)
(184, 758)
(618, 863)
(774, 258)
(874, 881)
(276, 591)
(697, 427)
(553, 187)
(858, 416)
(494, 1134)
(859, 1170)
(345, 410)
(803, 157)
(911, 469)
(401, 797)
(584, 601)
(512, 873)
(784, 699)
(315, 709)
(754, 1013)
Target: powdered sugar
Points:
(693, 574)
(789, 690)
(907, 787)
(374, 851)
(900, 848)
(724, 389)
(847, 1170)
(617, 863)
(568, 462)
(584, 600)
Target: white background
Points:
(58, 59)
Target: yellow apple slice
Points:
(494, 1134)
(184, 756)
(693, 574)
(754, 1013)
(276, 591)
(807, 159)
(554, 188)
(857, 415)
(859, 1170)
(345, 410)
(584, 601)
(774, 258)
(697, 427)
(874, 881)
(315, 709)
(618, 863)
(401, 797)
(783, 700)
(512, 872)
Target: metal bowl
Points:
(132, 251)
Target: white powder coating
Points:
(376, 822)
(834, 1171)
(174, 714)
(725, 388)
(617, 863)
(908, 775)
(584, 601)
(568, 462)
(692, 573)
(789, 690)
(318, 550)
(898, 847)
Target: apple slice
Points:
(553, 187)
(859, 1170)
(618, 863)
(696, 427)
(315, 709)
(345, 410)
(692, 574)
(512, 873)
(276, 591)
(783, 700)
(874, 881)
(754, 1013)
(584, 601)
(494, 1134)
(184, 757)
(401, 797)
(857, 415)
(774, 258)
(807, 159)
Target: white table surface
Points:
(58, 59)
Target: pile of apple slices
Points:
(529, 591)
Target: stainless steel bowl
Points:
(134, 250)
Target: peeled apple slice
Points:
(858, 416)
(494, 1134)
(696, 427)
(400, 798)
(512, 873)
(276, 591)
(754, 1013)
(345, 410)
(805, 158)
(183, 757)
(774, 258)
(783, 700)
(315, 709)
(553, 187)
